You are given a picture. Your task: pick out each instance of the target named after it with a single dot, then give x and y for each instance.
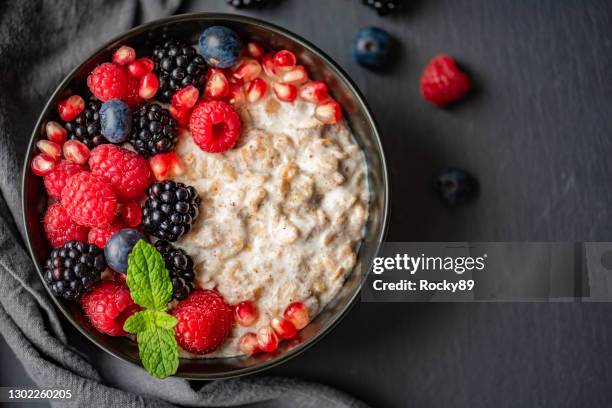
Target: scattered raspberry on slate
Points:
(59, 227)
(56, 180)
(442, 82)
(108, 305)
(215, 126)
(100, 235)
(108, 81)
(89, 200)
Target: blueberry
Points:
(119, 246)
(115, 121)
(372, 47)
(220, 46)
(455, 186)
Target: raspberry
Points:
(100, 235)
(60, 228)
(108, 306)
(215, 126)
(204, 322)
(56, 180)
(108, 81)
(127, 172)
(442, 82)
(89, 200)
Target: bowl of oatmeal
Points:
(289, 217)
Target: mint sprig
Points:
(151, 288)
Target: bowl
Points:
(187, 27)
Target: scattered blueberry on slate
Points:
(455, 186)
(372, 47)
(119, 246)
(220, 46)
(246, 4)
(383, 7)
(115, 121)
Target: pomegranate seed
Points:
(56, 132)
(267, 63)
(124, 55)
(236, 94)
(149, 84)
(246, 313)
(185, 98)
(248, 344)
(255, 50)
(76, 151)
(181, 116)
(267, 339)
(42, 164)
(285, 92)
(165, 165)
(296, 76)
(283, 328)
(131, 213)
(284, 60)
(328, 112)
(297, 313)
(217, 85)
(248, 70)
(314, 91)
(50, 148)
(70, 108)
(140, 67)
(256, 90)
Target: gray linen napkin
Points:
(40, 41)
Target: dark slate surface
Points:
(537, 133)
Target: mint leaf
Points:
(148, 278)
(147, 320)
(158, 351)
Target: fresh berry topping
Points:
(297, 313)
(59, 227)
(255, 50)
(140, 67)
(383, 7)
(285, 92)
(296, 76)
(70, 108)
(108, 305)
(267, 62)
(248, 344)
(170, 210)
(267, 340)
(50, 148)
(455, 186)
(180, 267)
(56, 132)
(246, 313)
(131, 213)
(283, 328)
(42, 164)
(86, 126)
(181, 116)
(125, 171)
(89, 200)
(204, 322)
(248, 70)
(132, 98)
(75, 151)
(220, 46)
(186, 98)
(177, 65)
(56, 180)
(236, 95)
(314, 92)
(284, 60)
(124, 55)
(442, 82)
(217, 85)
(115, 120)
(247, 4)
(108, 81)
(215, 126)
(328, 112)
(166, 165)
(100, 235)
(119, 246)
(153, 130)
(148, 85)
(256, 90)
(372, 47)
(74, 269)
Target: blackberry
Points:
(383, 7)
(180, 266)
(153, 130)
(177, 65)
(170, 209)
(74, 268)
(246, 4)
(86, 126)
